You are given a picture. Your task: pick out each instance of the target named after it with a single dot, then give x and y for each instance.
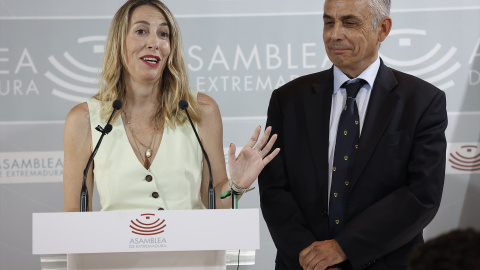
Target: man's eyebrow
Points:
(346, 17)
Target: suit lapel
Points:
(317, 114)
(380, 108)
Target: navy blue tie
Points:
(346, 147)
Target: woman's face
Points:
(147, 44)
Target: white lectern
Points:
(175, 239)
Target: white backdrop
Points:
(237, 51)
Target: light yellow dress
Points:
(122, 181)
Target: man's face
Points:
(350, 40)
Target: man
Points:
(365, 207)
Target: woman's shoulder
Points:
(207, 105)
(79, 115)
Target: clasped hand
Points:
(322, 255)
(245, 168)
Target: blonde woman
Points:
(151, 159)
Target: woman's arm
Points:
(210, 130)
(77, 147)
(243, 169)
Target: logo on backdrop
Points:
(435, 66)
(239, 67)
(31, 167)
(74, 80)
(465, 158)
(147, 227)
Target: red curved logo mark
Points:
(468, 159)
(148, 225)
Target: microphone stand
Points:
(183, 104)
(117, 104)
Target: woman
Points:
(151, 159)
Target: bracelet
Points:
(237, 189)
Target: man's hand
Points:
(322, 254)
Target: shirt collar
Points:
(369, 75)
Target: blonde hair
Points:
(173, 85)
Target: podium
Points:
(174, 239)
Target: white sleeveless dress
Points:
(122, 181)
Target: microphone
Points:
(183, 104)
(117, 104)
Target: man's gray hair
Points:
(379, 9)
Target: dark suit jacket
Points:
(398, 176)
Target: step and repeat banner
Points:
(238, 52)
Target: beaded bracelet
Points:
(237, 189)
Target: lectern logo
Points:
(148, 224)
(465, 158)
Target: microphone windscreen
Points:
(183, 104)
(117, 104)
(108, 127)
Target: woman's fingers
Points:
(231, 153)
(253, 140)
(269, 158)
(269, 144)
(263, 141)
(262, 146)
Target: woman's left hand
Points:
(245, 168)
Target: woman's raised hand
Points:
(245, 168)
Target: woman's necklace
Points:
(149, 147)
